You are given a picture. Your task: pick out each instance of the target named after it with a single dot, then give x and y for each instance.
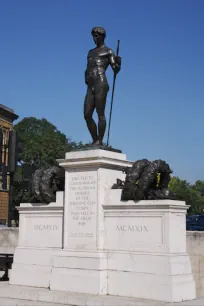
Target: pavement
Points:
(17, 302)
(11, 295)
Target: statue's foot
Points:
(97, 143)
(93, 143)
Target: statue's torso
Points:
(98, 61)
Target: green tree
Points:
(180, 188)
(191, 194)
(22, 188)
(41, 142)
(199, 187)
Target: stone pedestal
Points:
(100, 245)
(40, 237)
(82, 265)
(119, 248)
(146, 245)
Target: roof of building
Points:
(8, 112)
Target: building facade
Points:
(7, 117)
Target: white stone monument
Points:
(81, 265)
(146, 245)
(104, 246)
(40, 237)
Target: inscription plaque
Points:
(82, 206)
(133, 232)
(42, 230)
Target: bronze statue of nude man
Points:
(98, 61)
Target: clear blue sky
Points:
(159, 103)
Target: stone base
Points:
(67, 298)
(40, 238)
(109, 247)
(143, 254)
(82, 272)
(90, 146)
(32, 267)
(167, 276)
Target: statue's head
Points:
(99, 35)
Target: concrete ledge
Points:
(65, 298)
(17, 302)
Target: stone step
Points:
(11, 295)
(55, 298)
(17, 302)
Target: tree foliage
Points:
(41, 143)
(192, 194)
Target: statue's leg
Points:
(100, 102)
(89, 106)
